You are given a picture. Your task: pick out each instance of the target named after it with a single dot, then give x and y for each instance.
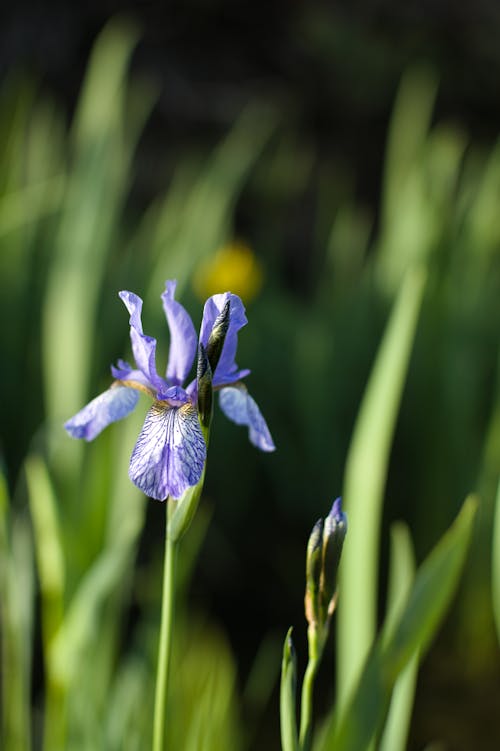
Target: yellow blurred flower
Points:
(233, 268)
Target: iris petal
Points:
(182, 336)
(226, 370)
(112, 405)
(238, 406)
(170, 452)
(143, 346)
(125, 372)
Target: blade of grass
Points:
(288, 717)
(16, 627)
(401, 576)
(495, 573)
(364, 485)
(51, 576)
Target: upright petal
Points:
(170, 452)
(143, 346)
(226, 370)
(182, 336)
(110, 406)
(238, 405)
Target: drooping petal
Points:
(170, 452)
(238, 405)
(182, 336)
(143, 346)
(108, 407)
(226, 370)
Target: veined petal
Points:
(226, 370)
(110, 406)
(143, 346)
(238, 405)
(170, 452)
(182, 336)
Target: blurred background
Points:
(303, 156)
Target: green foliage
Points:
(366, 470)
(403, 637)
(401, 576)
(495, 579)
(288, 699)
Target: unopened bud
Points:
(313, 571)
(204, 380)
(218, 336)
(334, 532)
(324, 549)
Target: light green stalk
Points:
(166, 632)
(288, 722)
(316, 645)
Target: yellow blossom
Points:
(235, 267)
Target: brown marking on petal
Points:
(135, 385)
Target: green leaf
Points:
(48, 546)
(288, 717)
(184, 510)
(401, 576)
(495, 574)
(364, 484)
(16, 625)
(428, 600)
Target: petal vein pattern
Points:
(110, 406)
(170, 452)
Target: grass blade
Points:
(364, 485)
(495, 577)
(401, 576)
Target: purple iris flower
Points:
(170, 452)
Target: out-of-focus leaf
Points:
(96, 189)
(495, 578)
(16, 627)
(401, 576)
(48, 545)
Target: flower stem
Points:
(316, 637)
(306, 704)
(165, 643)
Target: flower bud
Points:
(205, 394)
(313, 572)
(218, 336)
(323, 557)
(334, 532)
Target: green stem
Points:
(306, 703)
(165, 644)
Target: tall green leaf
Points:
(401, 576)
(364, 484)
(495, 578)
